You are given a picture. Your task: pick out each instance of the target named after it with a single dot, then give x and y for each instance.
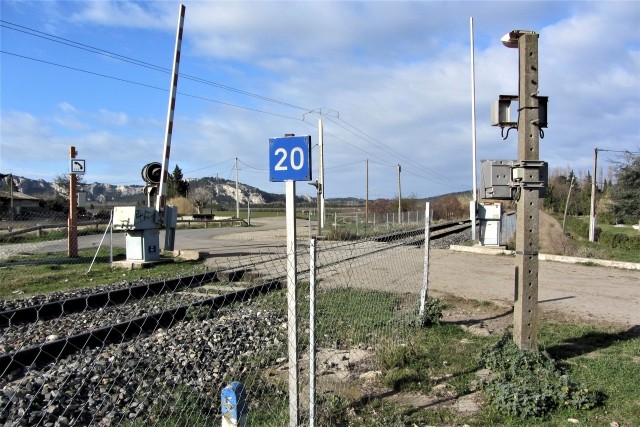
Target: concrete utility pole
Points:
(321, 212)
(237, 192)
(399, 197)
(592, 213)
(366, 203)
(525, 315)
(566, 206)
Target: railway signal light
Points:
(152, 172)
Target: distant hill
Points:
(223, 191)
(96, 192)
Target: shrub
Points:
(341, 234)
(578, 227)
(432, 312)
(619, 241)
(530, 383)
(183, 204)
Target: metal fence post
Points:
(292, 282)
(425, 275)
(234, 405)
(312, 333)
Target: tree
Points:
(448, 207)
(410, 204)
(383, 206)
(625, 193)
(558, 190)
(8, 182)
(61, 183)
(177, 187)
(200, 197)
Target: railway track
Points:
(16, 360)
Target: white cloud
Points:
(113, 118)
(66, 107)
(399, 71)
(149, 15)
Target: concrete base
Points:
(494, 250)
(136, 265)
(187, 255)
(479, 249)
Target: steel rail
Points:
(58, 308)
(17, 364)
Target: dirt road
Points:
(591, 293)
(599, 294)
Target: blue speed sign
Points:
(290, 158)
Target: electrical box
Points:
(495, 179)
(543, 101)
(82, 199)
(501, 111)
(135, 218)
(143, 245)
(170, 216)
(142, 228)
(500, 178)
(490, 215)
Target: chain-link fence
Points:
(194, 346)
(39, 235)
(360, 223)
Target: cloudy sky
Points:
(391, 80)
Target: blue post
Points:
(234, 405)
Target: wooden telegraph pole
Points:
(72, 222)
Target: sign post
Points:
(76, 167)
(290, 161)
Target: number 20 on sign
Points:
(290, 158)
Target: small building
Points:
(18, 200)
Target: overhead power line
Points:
(334, 118)
(106, 76)
(113, 55)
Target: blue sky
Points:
(391, 79)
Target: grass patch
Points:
(626, 230)
(177, 408)
(578, 227)
(483, 303)
(415, 359)
(438, 354)
(52, 272)
(51, 234)
(243, 213)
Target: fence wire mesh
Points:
(158, 347)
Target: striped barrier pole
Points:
(161, 198)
